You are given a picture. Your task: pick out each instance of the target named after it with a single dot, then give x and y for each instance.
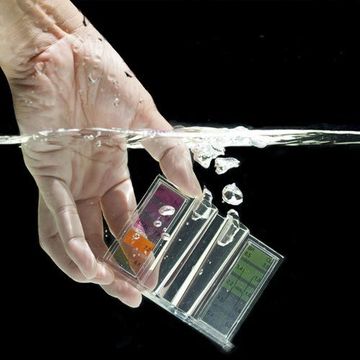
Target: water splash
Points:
(193, 137)
(206, 143)
(222, 165)
(203, 153)
(232, 195)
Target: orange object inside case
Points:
(138, 242)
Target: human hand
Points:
(75, 79)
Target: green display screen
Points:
(248, 272)
(238, 287)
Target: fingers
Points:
(59, 201)
(173, 156)
(118, 204)
(125, 292)
(51, 243)
(92, 222)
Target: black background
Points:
(220, 63)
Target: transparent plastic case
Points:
(204, 268)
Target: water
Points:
(165, 236)
(232, 195)
(167, 210)
(222, 165)
(204, 152)
(157, 223)
(206, 144)
(197, 138)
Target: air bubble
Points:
(88, 137)
(165, 236)
(157, 223)
(232, 195)
(167, 210)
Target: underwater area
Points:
(272, 88)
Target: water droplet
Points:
(157, 223)
(180, 240)
(88, 137)
(91, 79)
(116, 102)
(165, 236)
(114, 82)
(136, 236)
(98, 143)
(222, 165)
(28, 101)
(167, 210)
(209, 262)
(232, 195)
(201, 272)
(187, 223)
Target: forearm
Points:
(27, 27)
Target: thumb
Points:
(174, 157)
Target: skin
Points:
(64, 74)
